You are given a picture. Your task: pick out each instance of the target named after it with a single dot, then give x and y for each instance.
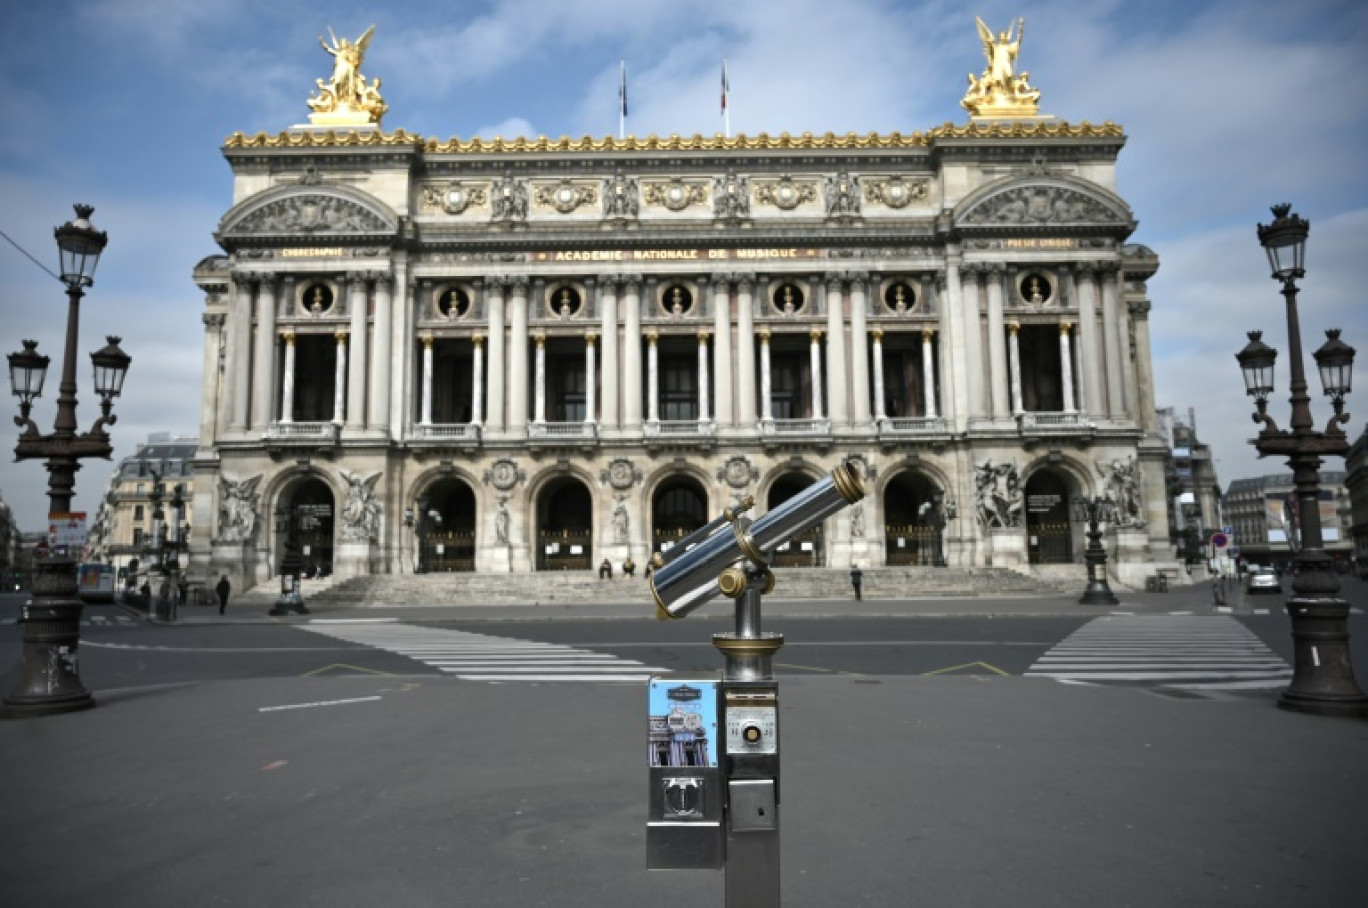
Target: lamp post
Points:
(49, 675)
(1323, 674)
(1095, 511)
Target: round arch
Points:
(1049, 530)
(305, 522)
(679, 505)
(914, 520)
(444, 520)
(564, 525)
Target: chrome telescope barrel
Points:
(690, 579)
(660, 559)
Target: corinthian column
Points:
(836, 361)
(631, 360)
(239, 352)
(340, 379)
(539, 381)
(928, 373)
(997, 356)
(766, 407)
(590, 379)
(608, 324)
(703, 377)
(495, 410)
(380, 357)
(722, 366)
(815, 354)
(859, 352)
(1066, 367)
(1089, 345)
(263, 354)
(477, 383)
(745, 356)
(287, 389)
(1014, 351)
(356, 365)
(425, 419)
(652, 379)
(517, 356)
(1112, 324)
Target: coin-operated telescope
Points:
(706, 563)
(714, 773)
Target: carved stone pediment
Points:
(1052, 201)
(308, 211)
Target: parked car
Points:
(1263, 581)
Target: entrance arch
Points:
(1049, 536)
(679, 506)
(565, 526)
(305, 514)
(912, 521)
(807, 549)
(445, 520)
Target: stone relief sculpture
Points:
(501, 519)
(360, 509)
(731, 197)
(998, 494)
(510, 200)
(238, 509)
(842, 196)
(857, 527)
(1040, 205)
(1122, 480)
(620, 521)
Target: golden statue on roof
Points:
(1000, 91)
(347, 99)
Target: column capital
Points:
(928, 333)
(540, 338)
(703, 337)
(242, 279)
(1139, 309)
(477, 339)
(341, 335)
(833, 281)
(652, 337)
(517, 283)
(1013, 327)
(815, 334)
(1064, 327)
(589, 338)
(1109, 267)
(764, 335)
(426, 338)
(288, 337)
(214, 320)
(877, 334)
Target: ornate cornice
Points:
(763, 142)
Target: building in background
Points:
(1356, 481)
(1194, 492)
(518, 355)
(13, 570)
(1262, 512)
(124, 524)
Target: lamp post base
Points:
(1098, 593)
(1323, 676)
(49, 674)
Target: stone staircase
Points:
(546, 588)
(267, 593)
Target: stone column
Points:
(497, 368)
(836, 360)
(1089, 344)
(703, 410)
(356, 365)
(963, 358)
(652, 379)
(815, 352)
(859, 351)
(1111, 339)
(263, 354)
(539, 381)
(928, 373)
(212, 390)
(951, 367)
(517, 356)
(239, 352)
(1116, 280)
(287, 383)
(997, 358)
(590, 379)
(631, 358)
(340, 380)
(1066, 367)
(425, 418)
(477, 382)
(1144, 381)
(766, 407)
(879, 414)
(722, 366)
(745, 356)
(608, 324)
(381, 356)
(1014, 352)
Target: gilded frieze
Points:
(454, 198)
(565, 196)
(786, 193)
(896, 192)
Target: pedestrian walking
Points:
(856, 578)
(223, 588)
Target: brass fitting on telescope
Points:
(732, 582)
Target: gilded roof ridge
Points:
(313, 138)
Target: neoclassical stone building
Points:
(525, 355)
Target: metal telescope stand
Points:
(751, 714)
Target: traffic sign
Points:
(1228, 530)
(1220, 540)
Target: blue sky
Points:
(1229, 106)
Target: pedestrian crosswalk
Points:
(481, 657)
(1190, 652)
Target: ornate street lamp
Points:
(1094, 512)
(1323, 674)
(49, 675)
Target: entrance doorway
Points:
(565, 522)
(807, 549)
(912, 521)
(445, 524)
(679, 507)
(305, 524)
(1049, 535)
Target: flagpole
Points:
(726, 108)
(622, 103)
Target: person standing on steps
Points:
(223, 588)
(856, 578)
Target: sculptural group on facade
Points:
(237, 509)
(1000, 88)
(509, 202)
(1122, 479)
(998, 493)
(348, 91)
(360, 508)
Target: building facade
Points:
(127, 525)
(1194, 491)
(524, 355)
(1261, 510)
(1356, 482)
